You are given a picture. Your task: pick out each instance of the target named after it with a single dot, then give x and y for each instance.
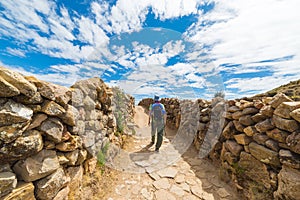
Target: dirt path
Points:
(144, 174)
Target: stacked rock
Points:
(50, 135)
(260, 146)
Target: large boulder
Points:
(18, 81)
(288, 184)
(48, 187)
(24, 146)
(37, 166)
(264, 154)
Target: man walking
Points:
(157, 116)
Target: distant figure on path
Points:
(158, 118)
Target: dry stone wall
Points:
(259, 148)
(50, 135)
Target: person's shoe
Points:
(157, 150)
(151, 143)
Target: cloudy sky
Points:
(173, 48)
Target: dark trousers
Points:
(157, 127)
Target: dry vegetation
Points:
(291, 89)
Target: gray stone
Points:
(162, 184)
(48, 187)
(88, 103)
(264, 154)
(77, 97)
(37, 166)
(285, 124)
(288, 184)
(178, 191)
(169, 172)
(164, 195)
(88, 138)
(53, 129)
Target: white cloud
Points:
(16, 52)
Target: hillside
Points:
(291, 89)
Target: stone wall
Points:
(259, 146)
(123, 106)
(50, 135)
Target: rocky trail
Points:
(167, 175)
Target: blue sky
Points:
(173, 48)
